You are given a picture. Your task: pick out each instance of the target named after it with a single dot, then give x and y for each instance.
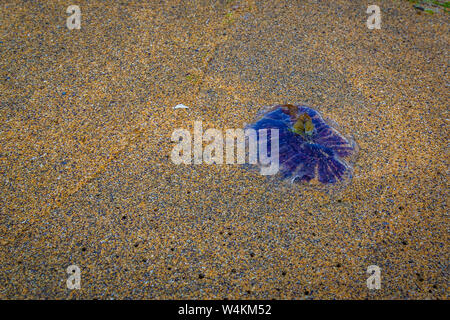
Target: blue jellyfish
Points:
(310, 149)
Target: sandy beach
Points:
(86, 177)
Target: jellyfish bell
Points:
(311, 150)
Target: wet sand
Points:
(86, 177)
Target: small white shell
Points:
(180, 106)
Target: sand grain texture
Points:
(86, 178)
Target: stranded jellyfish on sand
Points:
(310, 149)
